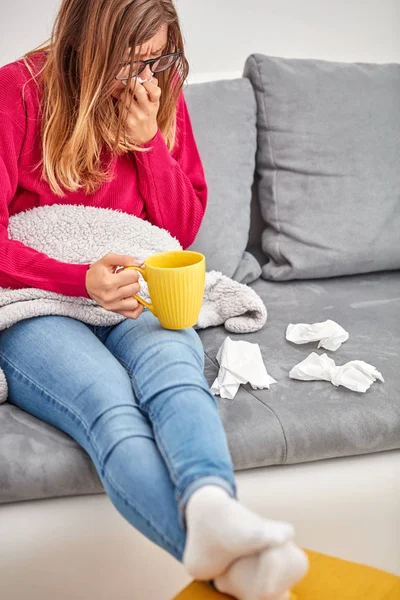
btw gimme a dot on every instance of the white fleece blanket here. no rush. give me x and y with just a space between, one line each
84 234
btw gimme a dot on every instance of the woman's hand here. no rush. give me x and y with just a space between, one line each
112 289
141 121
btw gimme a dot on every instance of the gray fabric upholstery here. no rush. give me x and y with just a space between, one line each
249 269
223 115
316 419
328 166
293 422
39 461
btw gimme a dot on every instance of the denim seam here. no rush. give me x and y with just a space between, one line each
165 454
153 417
130 373
146 410
118 490
285 452
104 469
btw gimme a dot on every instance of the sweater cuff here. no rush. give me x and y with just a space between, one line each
154 140
74 283
158 151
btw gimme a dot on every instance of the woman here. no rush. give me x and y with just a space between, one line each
85 121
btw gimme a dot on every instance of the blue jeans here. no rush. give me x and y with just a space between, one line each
134 396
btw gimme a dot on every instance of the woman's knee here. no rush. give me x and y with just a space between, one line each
180 347
121 426
193 341
159 346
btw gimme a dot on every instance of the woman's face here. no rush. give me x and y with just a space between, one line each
151 49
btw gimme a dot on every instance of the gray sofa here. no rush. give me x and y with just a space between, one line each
302 161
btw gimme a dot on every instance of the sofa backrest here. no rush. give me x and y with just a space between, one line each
325 183
328 177
223 115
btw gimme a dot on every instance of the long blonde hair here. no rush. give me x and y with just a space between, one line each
89 42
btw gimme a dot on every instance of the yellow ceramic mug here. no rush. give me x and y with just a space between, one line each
176 282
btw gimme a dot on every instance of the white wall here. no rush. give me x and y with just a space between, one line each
24 24
220 34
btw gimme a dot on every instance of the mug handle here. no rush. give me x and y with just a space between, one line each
138 298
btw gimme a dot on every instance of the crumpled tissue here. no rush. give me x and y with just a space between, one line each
240 362
355 375
331 334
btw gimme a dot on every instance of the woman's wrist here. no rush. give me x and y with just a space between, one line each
144 142
151 140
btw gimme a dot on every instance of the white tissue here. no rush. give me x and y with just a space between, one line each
355 375
240 362
331 334
139 79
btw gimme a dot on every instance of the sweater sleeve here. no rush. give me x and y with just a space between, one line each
173 184
20 265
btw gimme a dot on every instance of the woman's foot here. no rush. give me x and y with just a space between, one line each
264 576
220 530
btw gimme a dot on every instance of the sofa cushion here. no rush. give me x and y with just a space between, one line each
223 115
293 422
39 461
328 166
316 419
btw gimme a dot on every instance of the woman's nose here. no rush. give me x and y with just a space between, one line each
147 73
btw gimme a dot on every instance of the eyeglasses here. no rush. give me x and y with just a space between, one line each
162 63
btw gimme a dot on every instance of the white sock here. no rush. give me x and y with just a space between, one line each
264 576
220 530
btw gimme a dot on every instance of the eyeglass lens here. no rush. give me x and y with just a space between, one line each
162 64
